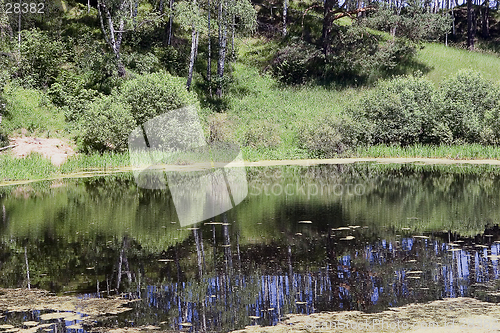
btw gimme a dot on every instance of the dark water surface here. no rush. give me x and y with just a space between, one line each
306 239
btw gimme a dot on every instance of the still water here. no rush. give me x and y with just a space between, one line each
306 239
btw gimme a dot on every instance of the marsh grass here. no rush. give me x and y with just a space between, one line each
95 161
458 152
32 167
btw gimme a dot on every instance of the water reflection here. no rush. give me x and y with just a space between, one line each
273 255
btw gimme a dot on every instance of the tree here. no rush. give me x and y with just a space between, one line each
114 11
228 12
486 21
285 10
328 18
190 17
470 25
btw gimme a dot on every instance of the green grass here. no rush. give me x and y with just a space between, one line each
444 62
259 106
35 167
459 152
30 109
32 167
95 161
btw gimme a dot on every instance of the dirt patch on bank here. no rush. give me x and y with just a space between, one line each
56 150
443 316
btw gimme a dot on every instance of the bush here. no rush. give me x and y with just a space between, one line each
220 128
109 120
297 63
329 136
262 134
400 111
107 125
70 94
466 99
41 58
356 56
153 94
141 63
490 133
413 22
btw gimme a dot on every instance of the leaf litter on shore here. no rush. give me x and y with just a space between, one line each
69 308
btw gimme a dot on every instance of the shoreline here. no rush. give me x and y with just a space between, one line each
263 163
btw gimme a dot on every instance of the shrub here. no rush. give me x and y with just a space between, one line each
262 134
326 137
466 98
356 55
41 58
490 133
400 111
220 128
413 22
153 94
107 125
70 94
142 63
297 63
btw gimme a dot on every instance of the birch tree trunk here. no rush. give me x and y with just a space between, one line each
192 57
209 60
222 47
285 12
170 23
112 37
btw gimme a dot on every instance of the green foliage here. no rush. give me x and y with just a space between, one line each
106 125
414 21
33 166
41 58
297 63
30 109
328 136
69 93
173 59
399 111
109 120
96 68
220 128
262 134
153 94
357 55
142 63
466 99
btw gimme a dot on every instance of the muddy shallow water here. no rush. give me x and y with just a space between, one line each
305 240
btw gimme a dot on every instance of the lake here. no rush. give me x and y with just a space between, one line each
305 239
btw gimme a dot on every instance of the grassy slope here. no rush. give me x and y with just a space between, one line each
445 61
261 97
257 99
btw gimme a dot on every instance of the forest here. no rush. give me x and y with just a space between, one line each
281 78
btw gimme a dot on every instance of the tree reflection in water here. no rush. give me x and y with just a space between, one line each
256 264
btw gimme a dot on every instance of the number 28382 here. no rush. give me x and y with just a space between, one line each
24 8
